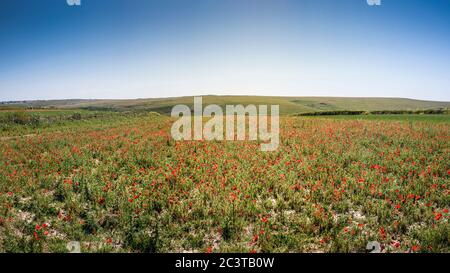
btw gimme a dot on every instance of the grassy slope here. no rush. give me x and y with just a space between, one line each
288 105
388 117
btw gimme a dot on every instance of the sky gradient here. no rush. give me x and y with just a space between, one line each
146 49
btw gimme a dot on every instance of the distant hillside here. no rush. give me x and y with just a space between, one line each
288 105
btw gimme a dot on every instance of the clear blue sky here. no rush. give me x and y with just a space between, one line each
144 48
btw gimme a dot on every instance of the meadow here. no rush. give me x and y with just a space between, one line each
118 182
288 105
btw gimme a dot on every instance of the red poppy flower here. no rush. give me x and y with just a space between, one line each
438 216
382 233
395 244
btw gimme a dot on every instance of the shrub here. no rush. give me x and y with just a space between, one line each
22 118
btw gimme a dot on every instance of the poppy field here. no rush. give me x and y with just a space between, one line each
333 185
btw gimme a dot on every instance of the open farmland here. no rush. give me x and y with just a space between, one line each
121 184
288 105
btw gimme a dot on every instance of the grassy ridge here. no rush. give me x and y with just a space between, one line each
288 105
390 117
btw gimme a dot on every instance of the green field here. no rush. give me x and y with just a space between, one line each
34 117
390 117
31 122
288 105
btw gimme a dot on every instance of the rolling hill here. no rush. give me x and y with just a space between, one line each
288 105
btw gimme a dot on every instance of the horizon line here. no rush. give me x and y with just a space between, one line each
213 95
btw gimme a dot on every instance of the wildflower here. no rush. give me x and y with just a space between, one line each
75 150
382 233
438 216
395 244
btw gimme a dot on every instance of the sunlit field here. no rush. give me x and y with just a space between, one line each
118 182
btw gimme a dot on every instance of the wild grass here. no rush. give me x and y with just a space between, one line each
120 183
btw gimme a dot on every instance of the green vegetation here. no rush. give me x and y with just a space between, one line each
395 117
384 112
30 122
288 105
117 182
